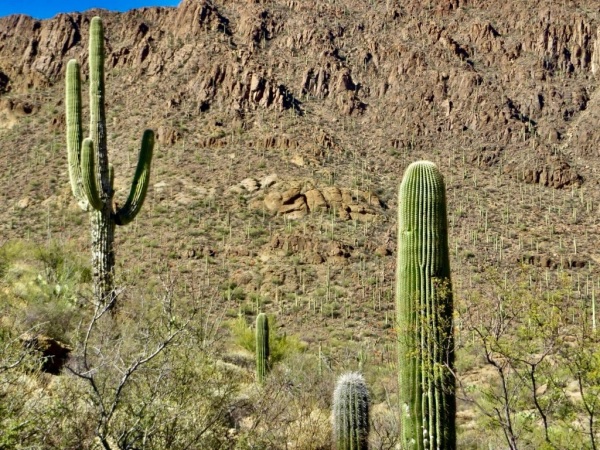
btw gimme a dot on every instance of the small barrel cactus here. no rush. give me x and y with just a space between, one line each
262 347
424 312
351 413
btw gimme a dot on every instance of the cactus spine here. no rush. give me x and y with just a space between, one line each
351 413
262 347
89 170
424 312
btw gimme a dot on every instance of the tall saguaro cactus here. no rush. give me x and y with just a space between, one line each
262 347
350 415
424 312
89 170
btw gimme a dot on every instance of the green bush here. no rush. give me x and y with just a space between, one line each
43 285
280 346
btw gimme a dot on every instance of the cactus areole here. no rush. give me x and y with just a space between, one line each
424 312
89 170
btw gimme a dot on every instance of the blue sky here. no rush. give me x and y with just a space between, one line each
43 9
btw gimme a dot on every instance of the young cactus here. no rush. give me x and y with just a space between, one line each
89 170
262 347
351 413
424 312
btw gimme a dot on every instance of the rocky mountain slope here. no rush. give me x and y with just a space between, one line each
284 128
286 109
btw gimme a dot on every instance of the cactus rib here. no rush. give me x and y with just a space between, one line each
350 415
424 312
262 347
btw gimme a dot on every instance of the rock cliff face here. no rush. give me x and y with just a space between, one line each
447 74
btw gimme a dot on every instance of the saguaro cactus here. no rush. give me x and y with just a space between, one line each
262 347
90 173
424 312
351 413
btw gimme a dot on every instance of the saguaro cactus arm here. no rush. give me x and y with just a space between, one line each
74 131
139 185
424 310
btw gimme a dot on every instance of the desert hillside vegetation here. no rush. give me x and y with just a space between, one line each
255 271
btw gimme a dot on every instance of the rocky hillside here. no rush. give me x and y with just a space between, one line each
297 108
286 109
491 79
284 128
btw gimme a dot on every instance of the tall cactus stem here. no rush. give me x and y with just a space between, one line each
424 312
350 413
97 99
262 347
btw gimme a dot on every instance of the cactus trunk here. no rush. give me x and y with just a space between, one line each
424 312
90 171
262 347
351 413
103 227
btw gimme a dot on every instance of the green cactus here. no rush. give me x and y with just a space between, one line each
262 347
89 170
424 312
351 413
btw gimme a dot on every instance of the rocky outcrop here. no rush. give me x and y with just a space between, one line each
167 135
554 262
194 18
298 198
257 25
557 175
311 250
241 89
54 354
492 81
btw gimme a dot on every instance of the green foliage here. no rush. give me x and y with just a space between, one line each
154 387
535 361
424 312
43 286
280 346
287 414
231 291
350 413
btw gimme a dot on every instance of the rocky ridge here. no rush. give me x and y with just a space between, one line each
455 72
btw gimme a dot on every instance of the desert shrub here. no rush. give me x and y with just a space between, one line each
280 345
291 410
44 287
